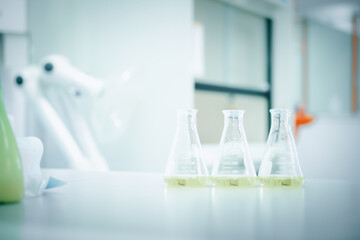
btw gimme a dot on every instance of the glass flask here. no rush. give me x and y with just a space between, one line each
234 167
280 165
11 172
186 166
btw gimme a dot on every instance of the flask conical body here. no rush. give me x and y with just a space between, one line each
11 175
234 166
280 165
186 166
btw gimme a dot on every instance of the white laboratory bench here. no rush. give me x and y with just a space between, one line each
124 205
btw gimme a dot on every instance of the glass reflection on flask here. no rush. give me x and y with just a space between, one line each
280 165
186 166
234 167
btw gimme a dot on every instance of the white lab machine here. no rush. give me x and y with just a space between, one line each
61 96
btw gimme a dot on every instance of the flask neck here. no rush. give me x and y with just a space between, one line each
233 118
233 122
280 119
186 118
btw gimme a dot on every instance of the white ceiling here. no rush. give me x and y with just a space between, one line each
334 13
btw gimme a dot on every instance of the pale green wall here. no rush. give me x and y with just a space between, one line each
329 52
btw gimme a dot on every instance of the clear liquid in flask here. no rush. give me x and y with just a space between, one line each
234 167
280 165
186 166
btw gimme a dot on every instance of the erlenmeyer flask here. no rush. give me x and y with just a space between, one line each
234 167
280 165
11 171
186 166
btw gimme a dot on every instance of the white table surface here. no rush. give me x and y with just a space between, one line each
123 205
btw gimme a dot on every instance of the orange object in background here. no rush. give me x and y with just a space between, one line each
301 118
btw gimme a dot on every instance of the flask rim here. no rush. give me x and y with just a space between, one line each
233 112
280 110
187 111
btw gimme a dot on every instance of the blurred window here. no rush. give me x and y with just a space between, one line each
231 68
329 70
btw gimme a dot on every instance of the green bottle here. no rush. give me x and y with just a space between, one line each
11 173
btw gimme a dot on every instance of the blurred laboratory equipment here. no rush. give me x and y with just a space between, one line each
114 108
234 167
58 71
31 150
11 171
186 166
71 92
61 96
301 118
35 181
280 165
